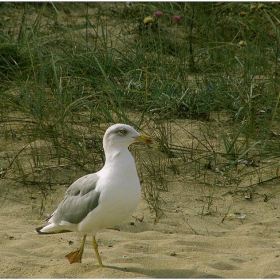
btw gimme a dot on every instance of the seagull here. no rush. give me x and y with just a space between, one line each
103 199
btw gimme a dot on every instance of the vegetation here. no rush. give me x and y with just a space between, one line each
68 70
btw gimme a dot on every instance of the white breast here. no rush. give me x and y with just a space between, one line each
120 192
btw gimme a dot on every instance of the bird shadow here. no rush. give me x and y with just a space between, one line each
166 273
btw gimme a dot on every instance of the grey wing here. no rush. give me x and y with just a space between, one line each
81 198
83 185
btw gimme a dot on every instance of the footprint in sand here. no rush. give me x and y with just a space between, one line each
223 266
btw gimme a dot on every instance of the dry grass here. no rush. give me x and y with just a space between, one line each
205 88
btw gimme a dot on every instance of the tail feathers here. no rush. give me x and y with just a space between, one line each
39 230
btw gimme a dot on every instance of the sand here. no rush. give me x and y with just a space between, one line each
182 244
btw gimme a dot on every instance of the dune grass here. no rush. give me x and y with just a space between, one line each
68 70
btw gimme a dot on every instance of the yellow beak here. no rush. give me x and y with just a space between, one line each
143 138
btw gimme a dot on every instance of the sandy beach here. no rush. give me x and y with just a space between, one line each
182 244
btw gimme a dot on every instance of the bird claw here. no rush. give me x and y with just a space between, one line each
75 256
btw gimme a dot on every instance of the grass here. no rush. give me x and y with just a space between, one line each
70 70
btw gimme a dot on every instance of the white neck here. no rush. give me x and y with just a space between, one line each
114 157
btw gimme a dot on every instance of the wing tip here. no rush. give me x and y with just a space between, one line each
38 230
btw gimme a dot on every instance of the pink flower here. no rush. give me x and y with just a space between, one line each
158 14
90 32
176 19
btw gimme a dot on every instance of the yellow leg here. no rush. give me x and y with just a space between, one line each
95 247
76 255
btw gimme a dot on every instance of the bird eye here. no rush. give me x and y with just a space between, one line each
123 131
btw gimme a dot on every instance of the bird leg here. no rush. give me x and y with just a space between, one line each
95 248
76 255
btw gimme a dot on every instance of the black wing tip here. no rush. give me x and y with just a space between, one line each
38 229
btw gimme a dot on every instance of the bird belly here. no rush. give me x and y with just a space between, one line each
115 205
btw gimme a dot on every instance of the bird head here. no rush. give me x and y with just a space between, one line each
123 135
